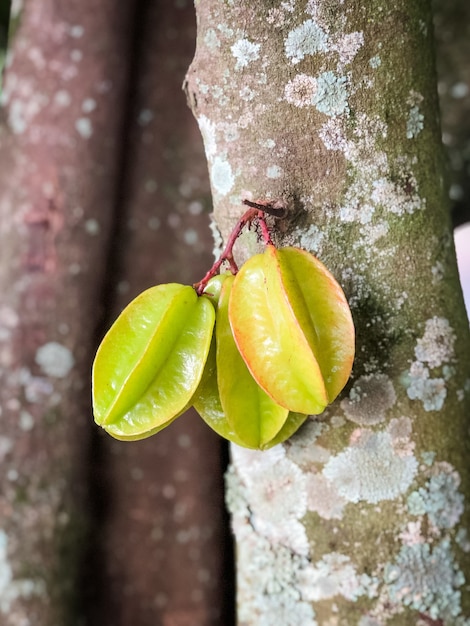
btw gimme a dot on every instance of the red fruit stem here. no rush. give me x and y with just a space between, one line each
255 211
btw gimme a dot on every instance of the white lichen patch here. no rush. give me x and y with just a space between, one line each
54 359
414 123
463 540
332 135
276 582
412 534
420 386
84 127
376 232
11 589
311 238
440 499
435 349
92 226
9 320
276 17
428 457
229 130
348 46
36 389
369 399
222 177
331 95
335 575
301 90
426 579
278 492
267 143
77 31
436 346
370 469
367 620
26 421
25 102
376 186
425 575
322 498
247 93
191 237
302 448
274 171
62 98
415 120
396 198
208 133
275 489
216 238
245 52
306 39
211 39
6 445
269 583
144 117
400 429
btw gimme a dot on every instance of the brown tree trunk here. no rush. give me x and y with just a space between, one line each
90 214
60 136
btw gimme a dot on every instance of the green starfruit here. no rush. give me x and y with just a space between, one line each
206 401
228 398
151 361
293 327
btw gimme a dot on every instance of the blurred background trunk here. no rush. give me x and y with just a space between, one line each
103 192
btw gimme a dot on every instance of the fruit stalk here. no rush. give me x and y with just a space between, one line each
256 211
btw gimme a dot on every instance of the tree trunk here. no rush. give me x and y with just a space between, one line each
103 192
59 138
331 108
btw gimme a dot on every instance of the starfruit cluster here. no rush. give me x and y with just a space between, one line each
254 354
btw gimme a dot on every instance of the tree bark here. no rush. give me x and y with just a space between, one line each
59 142
331 108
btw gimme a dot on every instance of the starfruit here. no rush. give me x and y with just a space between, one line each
151 361
293 327
228 398
206 400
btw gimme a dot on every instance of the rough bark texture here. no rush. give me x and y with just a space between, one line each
61 120
331 107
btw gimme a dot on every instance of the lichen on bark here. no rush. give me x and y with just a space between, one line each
331 107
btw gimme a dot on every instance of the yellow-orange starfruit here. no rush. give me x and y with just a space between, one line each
293 327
